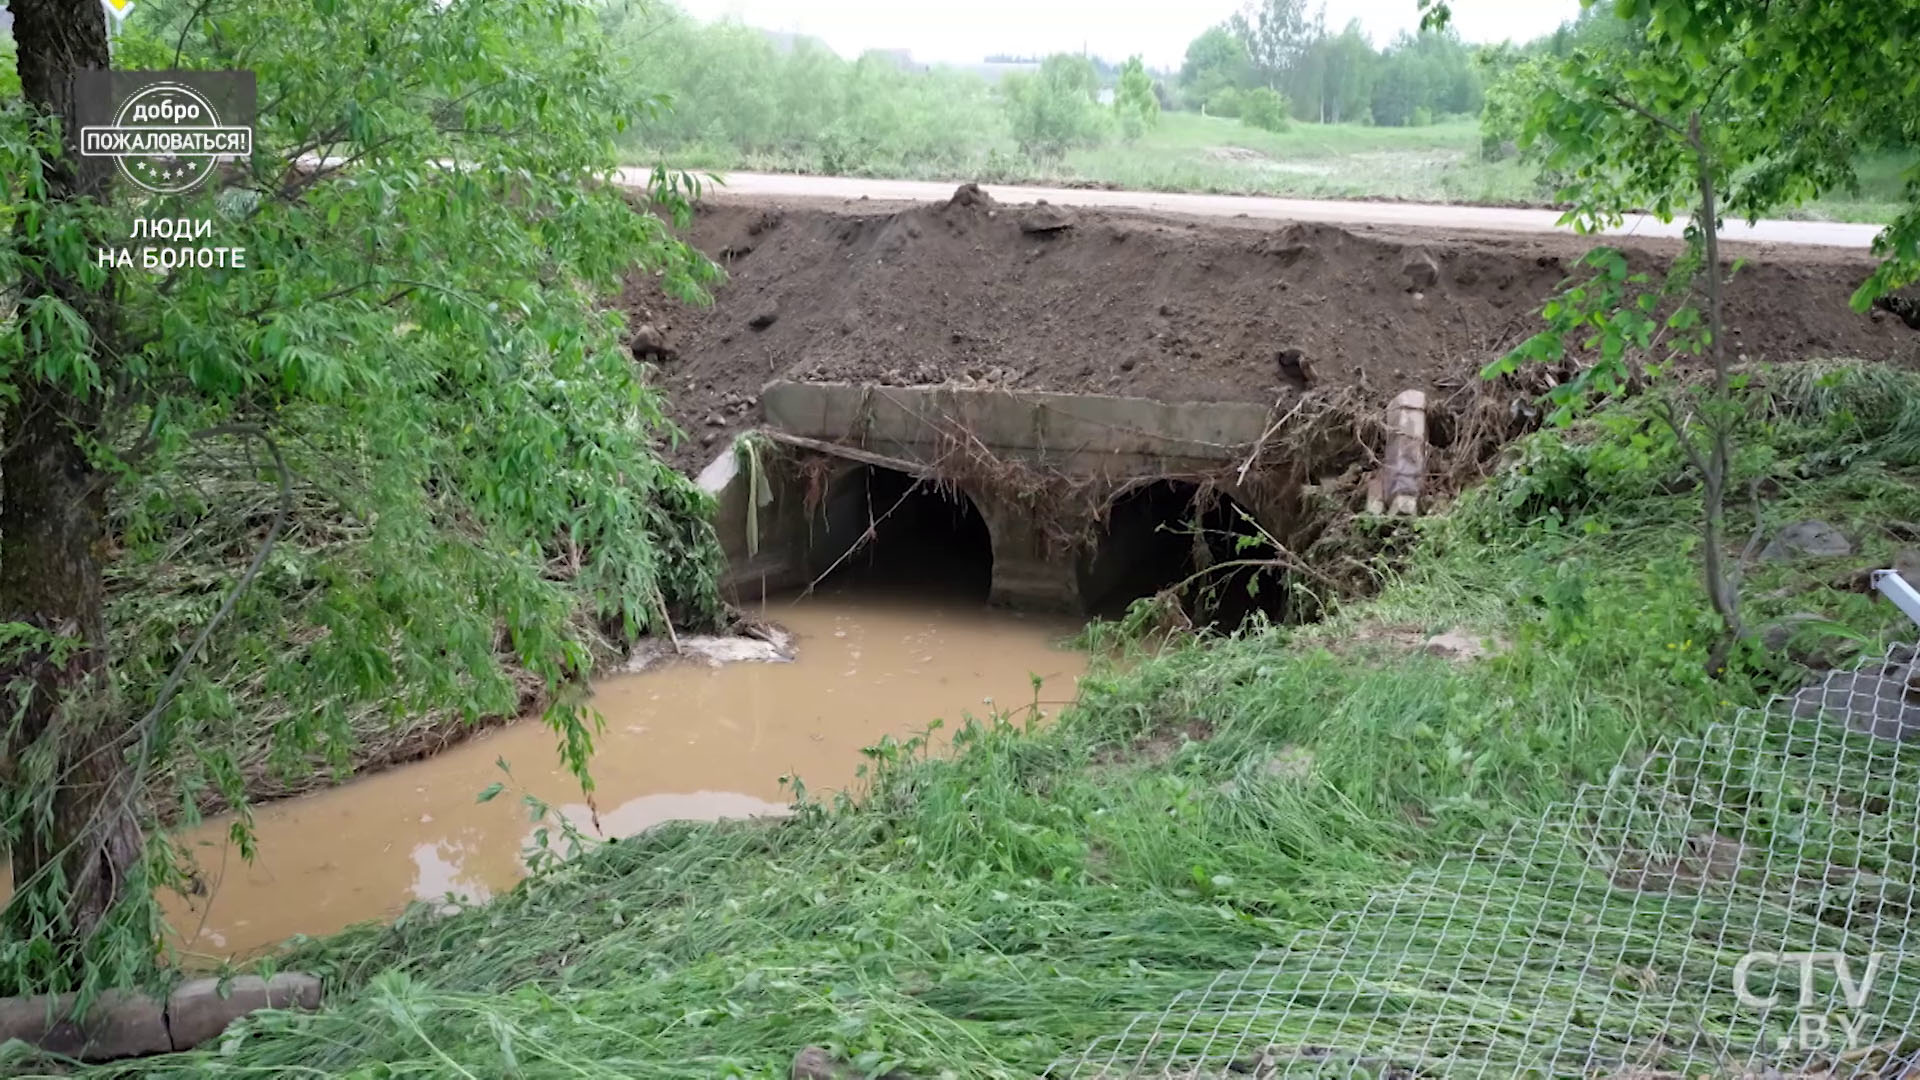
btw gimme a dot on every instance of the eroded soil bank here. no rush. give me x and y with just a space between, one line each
977 293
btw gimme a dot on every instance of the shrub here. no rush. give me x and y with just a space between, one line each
1264 108
1054 110
1134 102
1225 101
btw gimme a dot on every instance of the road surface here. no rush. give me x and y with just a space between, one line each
1389 214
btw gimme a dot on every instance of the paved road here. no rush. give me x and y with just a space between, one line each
1391 214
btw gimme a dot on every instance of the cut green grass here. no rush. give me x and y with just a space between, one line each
987 913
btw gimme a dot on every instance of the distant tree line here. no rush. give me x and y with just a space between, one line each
1279 47
727 94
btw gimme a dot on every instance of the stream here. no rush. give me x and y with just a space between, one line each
683 740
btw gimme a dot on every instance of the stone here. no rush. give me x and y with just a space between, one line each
198 1011
763 318
1882 701
1457 645
1420 270
1807 539
118 1025
649 344
716 420
1778 637
1291 763
814 1063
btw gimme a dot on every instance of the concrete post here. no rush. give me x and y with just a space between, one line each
1027 574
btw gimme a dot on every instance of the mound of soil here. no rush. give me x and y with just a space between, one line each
1049 298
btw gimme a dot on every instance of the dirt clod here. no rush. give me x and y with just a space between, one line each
1420 269
1046 218
763 317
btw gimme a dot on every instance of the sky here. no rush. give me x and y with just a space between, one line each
966 31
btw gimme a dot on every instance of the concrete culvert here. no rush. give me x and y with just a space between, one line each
924 536
1165 533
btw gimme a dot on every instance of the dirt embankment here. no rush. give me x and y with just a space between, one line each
1038 297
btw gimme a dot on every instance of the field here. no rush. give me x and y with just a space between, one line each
992 913
1440 163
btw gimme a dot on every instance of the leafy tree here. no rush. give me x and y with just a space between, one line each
1730 106
403 448
1054 109
1264 108
1432 70
1277 35
1216 60
1347 74
1134 101
725 95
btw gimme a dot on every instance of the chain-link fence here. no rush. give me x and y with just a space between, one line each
1734 905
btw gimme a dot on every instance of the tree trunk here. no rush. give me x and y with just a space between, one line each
1722 588
77 853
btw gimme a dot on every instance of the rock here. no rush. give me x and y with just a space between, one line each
1778 637
1420 270
649 344
1882 701
1459 645
763 318
716 420
814 1063
1807 539
197 1012
1291 763
1128 364
118 1025
1043 217
1906 564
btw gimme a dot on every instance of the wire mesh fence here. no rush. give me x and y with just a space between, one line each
1733 905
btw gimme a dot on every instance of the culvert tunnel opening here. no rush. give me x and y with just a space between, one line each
1174 534
883 530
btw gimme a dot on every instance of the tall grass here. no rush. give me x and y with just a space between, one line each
981 914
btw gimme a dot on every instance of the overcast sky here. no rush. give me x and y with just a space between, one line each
968 30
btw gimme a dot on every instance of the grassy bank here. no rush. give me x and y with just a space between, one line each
986 914
1439 163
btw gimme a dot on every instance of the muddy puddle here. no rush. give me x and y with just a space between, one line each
683 741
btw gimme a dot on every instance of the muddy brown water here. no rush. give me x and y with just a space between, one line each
682 741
